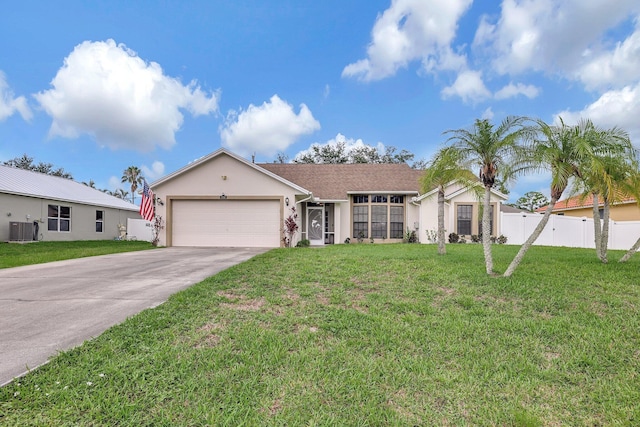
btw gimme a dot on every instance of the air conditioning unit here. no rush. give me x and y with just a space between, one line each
20 231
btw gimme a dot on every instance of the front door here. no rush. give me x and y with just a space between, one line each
315 228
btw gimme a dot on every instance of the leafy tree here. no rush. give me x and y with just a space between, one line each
132 175
281 158
498 153
120 194
530 201
340 154
90 183
445 168
26 162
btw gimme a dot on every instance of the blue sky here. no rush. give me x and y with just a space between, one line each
95 87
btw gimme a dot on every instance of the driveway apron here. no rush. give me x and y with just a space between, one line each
47 308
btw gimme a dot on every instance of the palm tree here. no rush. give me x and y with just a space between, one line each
120 194
444 169
567 151
132 175
609 174
498 153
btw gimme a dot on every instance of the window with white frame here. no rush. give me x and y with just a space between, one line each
99 221
59 218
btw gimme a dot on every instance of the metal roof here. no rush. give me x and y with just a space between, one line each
34 184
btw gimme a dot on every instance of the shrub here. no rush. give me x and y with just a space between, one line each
502 239
462 240
453 237
410 237
347 240
432 236
304 243
476 238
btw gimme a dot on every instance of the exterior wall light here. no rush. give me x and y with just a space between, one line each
223 197
286 201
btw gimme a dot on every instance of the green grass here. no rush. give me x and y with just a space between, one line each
362 335
15 255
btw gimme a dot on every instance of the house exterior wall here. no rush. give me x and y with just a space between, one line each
622 212
83 218
226 175
429 212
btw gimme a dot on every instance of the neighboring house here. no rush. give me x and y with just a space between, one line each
224 200
626 209
36 206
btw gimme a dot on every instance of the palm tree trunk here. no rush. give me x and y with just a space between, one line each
441 244
486 231
631 251
597 225
534 236
604 238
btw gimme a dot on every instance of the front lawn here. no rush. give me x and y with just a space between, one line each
17 254
367 335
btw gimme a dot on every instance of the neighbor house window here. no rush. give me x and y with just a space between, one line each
59 218
386 219
464 219
99 221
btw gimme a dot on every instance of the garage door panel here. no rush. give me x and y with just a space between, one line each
250 223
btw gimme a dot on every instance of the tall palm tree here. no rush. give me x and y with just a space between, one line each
607 174
132 175
444 169
498 152
567 151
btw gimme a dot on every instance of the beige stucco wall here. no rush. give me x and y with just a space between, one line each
622 212
429 212
226 175
83 218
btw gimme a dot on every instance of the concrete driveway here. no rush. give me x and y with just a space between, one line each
50 307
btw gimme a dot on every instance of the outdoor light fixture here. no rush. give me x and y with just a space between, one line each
223 197
286 201
159 200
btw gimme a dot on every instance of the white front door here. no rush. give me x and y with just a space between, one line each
315 225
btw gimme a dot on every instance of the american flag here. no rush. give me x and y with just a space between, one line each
146 206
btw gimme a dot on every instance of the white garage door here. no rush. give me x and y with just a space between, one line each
226 223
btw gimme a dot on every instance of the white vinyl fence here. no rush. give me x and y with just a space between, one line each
139 229
567 231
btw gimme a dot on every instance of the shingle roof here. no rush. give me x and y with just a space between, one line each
578 202
334 182
27 183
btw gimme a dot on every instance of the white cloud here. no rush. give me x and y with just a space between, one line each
469 87
411 30
9 104
105 90
327 91
619 108
487 114
613 68
566 37
266 129
154 172
511 90
349 144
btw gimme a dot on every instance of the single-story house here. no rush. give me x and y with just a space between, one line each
36 206
223 199
626 209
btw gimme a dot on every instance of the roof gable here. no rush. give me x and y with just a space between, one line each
35 184
223 152
337 181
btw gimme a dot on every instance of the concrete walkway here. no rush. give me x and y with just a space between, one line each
56 306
